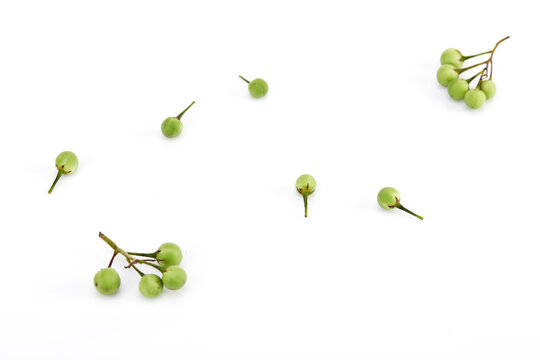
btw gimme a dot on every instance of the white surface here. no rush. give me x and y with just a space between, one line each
353 101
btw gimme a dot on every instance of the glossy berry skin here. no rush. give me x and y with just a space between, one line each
452 57
488 87
258 88
150 285
174 277
457 89
306 183
475 98
388 198
447 73
67 162
171 127
169 254
107 281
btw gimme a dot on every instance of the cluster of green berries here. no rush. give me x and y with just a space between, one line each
388 198
452 61
166 259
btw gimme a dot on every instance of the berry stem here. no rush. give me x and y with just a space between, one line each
60 173
241 77
472 78
186 109
115 247
112 259
472 56
150 255
472 66
152 265
137 270
305 196
401 207
490 60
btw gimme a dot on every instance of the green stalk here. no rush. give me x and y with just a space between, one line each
241 77
401 207
150 255
186 109
472 56
60 173
305 196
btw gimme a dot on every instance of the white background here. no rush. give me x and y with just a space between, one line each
353 101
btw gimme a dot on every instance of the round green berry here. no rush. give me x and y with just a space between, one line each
488 87
169 254
305 185
150 285
475 98
457 89
174 277
447 73
258 88
107 281
171 127
388 198
452 57
66 163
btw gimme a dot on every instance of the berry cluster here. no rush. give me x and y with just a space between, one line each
459 89
167 258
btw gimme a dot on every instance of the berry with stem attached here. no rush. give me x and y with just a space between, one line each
174 277
257 88
306 185
389 198
457 88
150 285
66 163
167 254
107 281
172 126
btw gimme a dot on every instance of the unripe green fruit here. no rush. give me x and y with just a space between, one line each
305 185
488 87
475 98
258 88
174 277
457 89
388 198
447 73
452 57
171 127
150 285
169 254
67 162
107 281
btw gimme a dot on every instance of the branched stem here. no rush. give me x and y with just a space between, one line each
241 77
186 109
115 247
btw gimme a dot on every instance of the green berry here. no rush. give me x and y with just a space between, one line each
388 198
457 89
475 98
172 126
66 163
305 185
107 281
169 254
174 277
150 285
488 87
257 88
447 73
452 57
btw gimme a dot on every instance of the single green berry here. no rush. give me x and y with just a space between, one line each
457 89
306 185
66 163
107 281
172 126
169 254
174 277
488 87
447 73
388 198
475 98
150 285
452 57
257 88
